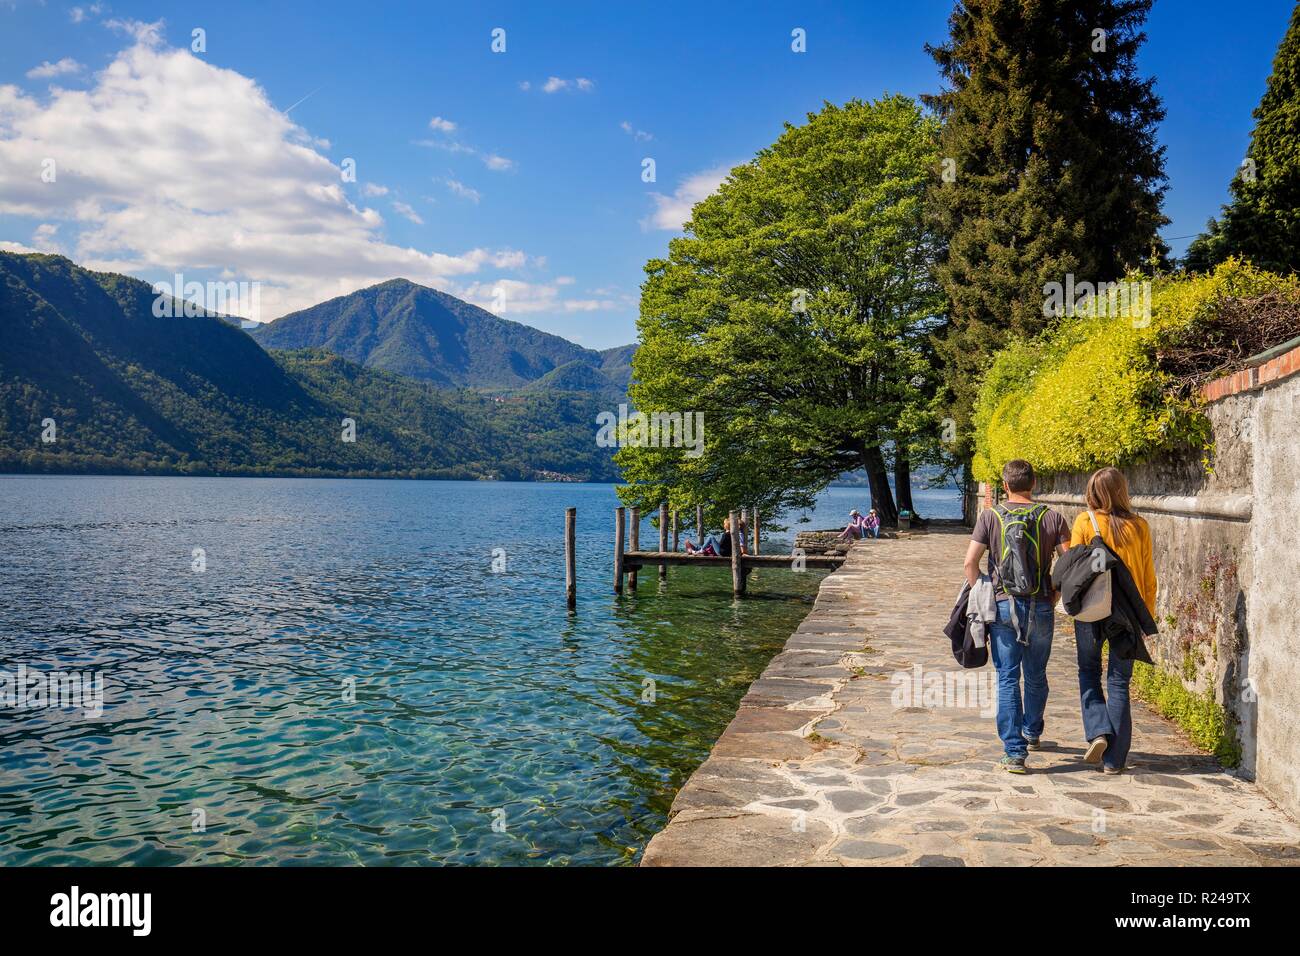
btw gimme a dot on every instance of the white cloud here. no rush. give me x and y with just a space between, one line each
148 34
405 210
639 135
18 247
498 164
80 14
525 298
43 238
374 189
47 69
151 180
556 84
442 125
671 212
458 188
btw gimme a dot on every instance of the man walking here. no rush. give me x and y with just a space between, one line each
1021 538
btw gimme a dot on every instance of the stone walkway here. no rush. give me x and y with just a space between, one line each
858 747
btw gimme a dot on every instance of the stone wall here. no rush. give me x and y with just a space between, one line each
1227 560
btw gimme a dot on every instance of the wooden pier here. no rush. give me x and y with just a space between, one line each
628 561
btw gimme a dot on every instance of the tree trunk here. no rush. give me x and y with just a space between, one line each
903 483
878 478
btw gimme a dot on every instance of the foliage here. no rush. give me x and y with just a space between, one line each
795 314
1262 221
1092 391
1055 167
1200 715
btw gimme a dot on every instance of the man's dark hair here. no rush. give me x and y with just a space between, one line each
1018 475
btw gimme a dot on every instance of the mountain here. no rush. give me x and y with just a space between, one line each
130 392
413 330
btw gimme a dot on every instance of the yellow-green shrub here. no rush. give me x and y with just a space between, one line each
1089 392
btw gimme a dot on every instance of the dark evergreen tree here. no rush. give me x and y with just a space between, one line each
1050 166
1262 222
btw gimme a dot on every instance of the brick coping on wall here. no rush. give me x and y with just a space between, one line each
1257 376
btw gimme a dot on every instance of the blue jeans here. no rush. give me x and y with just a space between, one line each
1011 653
1108 716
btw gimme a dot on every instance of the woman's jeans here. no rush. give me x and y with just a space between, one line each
1012 653
1108 716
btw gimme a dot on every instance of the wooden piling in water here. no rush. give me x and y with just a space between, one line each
663 538
737 571
699 526
757 546
570 557
634 534
618 550
675 519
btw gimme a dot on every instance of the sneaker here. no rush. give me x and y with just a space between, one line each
1095 749
1112 770
1012 764
1033 743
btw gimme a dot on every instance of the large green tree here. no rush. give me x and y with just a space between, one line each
1051 165
1262 221
795 315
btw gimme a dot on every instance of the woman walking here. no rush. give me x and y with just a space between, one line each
1108 718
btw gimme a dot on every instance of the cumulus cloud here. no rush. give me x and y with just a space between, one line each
671 212
151 179
47 69
442 125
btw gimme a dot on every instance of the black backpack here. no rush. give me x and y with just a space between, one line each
1016 555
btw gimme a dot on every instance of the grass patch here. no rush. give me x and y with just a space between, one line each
1205 721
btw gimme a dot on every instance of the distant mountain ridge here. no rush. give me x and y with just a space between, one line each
92 381
413 330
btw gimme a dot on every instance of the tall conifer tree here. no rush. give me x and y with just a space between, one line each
1049 166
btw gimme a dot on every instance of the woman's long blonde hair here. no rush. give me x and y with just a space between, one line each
1108 493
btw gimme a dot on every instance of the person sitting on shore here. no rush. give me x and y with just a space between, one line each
856 528
871 524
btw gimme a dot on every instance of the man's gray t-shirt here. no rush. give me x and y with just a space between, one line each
1054 531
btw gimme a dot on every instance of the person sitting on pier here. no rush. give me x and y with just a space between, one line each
719 545
871 524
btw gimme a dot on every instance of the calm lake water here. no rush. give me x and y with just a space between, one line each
347 680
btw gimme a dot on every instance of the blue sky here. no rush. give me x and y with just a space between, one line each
531 198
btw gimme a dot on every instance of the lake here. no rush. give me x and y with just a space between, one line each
339 676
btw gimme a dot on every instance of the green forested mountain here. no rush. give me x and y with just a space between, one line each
406 328
84 362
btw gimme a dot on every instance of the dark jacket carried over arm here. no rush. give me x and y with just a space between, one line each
1129 618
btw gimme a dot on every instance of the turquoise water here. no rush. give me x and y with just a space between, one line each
348 681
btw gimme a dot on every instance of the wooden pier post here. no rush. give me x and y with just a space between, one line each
676 515
570 557
618 550
737 570
634 534
699 526
663 538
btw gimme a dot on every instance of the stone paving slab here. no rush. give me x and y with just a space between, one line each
864 744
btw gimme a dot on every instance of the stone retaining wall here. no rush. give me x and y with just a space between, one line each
1227 561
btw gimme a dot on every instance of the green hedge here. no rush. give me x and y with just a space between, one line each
1089 392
